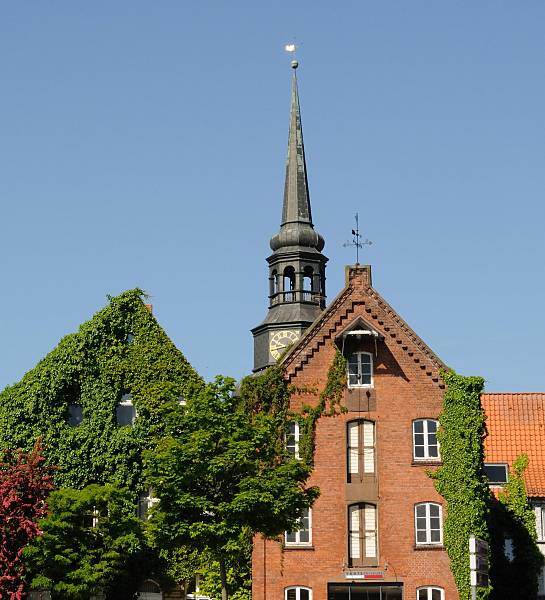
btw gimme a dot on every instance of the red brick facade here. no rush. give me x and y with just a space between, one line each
406 386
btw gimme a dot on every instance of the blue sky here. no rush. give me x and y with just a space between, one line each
142 145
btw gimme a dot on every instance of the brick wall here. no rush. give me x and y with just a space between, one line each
406 387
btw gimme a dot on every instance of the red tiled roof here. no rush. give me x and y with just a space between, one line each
516 425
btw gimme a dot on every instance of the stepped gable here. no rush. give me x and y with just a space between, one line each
516 425
360 299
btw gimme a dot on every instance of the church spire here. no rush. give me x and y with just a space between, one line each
296 197
297 265
296 228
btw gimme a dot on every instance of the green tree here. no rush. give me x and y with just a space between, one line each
92 543
222 472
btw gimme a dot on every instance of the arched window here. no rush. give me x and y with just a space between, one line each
308 274
360 369
289 284
428 523
362 534
298 593
360 436
149 590
425 444
430 593
274 283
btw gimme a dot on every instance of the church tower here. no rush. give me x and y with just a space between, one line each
297 265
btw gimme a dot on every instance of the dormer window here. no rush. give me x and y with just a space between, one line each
360 369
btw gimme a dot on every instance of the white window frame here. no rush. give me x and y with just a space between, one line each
298 542
361 535
430 589
428 529
360 458
498 483
426 433
298 589
359 354
296 439
539 511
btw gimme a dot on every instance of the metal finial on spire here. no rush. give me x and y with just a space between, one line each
292 48
357 242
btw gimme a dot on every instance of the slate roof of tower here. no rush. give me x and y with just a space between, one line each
296 228
516 425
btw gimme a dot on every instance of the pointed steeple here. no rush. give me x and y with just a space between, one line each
296 197
296 228
297 265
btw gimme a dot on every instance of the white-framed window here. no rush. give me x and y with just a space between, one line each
360 437
125 410
425 444
496 473
539 511
303 535
362 534
428 523
360 369
75 414
430 593
293 437
298 593
145 501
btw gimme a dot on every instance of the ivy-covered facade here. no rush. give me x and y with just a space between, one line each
98 401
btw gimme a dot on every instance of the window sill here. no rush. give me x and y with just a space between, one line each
298 547
366 386
435 547
426 462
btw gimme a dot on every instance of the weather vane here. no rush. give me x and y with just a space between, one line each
292 48
357 242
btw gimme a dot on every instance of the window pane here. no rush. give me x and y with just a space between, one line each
303 594
421 537
422 594
421 510
418 428
291 594
433 452
368 460
496 473
419 451
432 426
435 594
75 414
304 536
126 414
435 536
434 510
290 537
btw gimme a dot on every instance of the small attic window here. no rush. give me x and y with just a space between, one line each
130 338
497 474
75 414
125 411
181 400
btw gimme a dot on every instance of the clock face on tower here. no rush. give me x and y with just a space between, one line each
280 341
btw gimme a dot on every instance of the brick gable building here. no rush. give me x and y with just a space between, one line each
375 532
